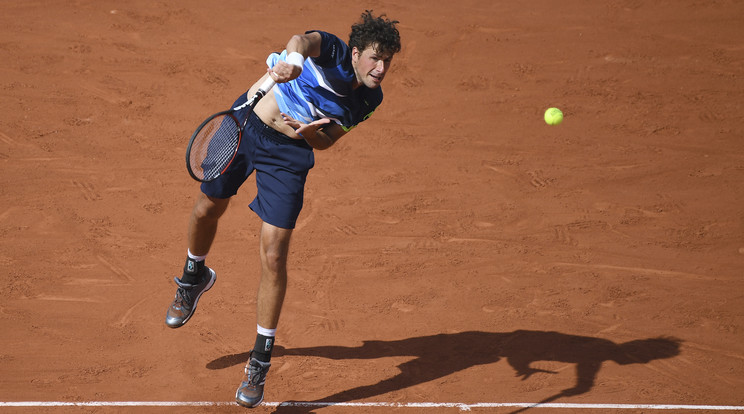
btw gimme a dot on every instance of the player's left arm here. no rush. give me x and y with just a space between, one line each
320 134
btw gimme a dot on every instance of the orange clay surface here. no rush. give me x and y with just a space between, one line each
453 248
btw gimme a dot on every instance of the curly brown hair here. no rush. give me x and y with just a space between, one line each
379 31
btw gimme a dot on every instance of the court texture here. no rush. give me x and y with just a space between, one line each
455 253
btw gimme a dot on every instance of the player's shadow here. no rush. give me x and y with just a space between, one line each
437 356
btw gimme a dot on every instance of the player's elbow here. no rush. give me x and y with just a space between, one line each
308 44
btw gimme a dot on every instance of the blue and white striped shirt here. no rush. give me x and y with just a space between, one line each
324 88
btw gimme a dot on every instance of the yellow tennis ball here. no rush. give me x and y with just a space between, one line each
553 116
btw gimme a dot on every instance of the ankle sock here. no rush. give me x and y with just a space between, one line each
193 271
195 257
264 344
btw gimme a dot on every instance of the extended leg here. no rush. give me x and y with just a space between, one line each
271 290
273 285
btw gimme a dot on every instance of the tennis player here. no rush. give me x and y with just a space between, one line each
324 89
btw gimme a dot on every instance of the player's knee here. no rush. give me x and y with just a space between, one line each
275 261
210 208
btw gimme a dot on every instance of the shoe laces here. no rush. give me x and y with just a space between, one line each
256 373
182 297
183 294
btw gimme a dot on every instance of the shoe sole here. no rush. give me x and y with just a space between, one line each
212 279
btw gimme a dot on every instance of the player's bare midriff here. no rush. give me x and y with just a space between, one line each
268 111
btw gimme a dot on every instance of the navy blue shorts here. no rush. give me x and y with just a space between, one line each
281 164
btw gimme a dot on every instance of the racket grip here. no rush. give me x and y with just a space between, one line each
267 85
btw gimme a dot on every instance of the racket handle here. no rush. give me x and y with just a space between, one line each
267 85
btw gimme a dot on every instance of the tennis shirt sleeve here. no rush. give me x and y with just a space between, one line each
324 89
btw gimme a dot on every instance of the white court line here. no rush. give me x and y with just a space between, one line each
460 406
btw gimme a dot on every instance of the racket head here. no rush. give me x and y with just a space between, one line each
213 146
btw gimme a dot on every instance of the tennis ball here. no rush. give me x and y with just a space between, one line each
553 116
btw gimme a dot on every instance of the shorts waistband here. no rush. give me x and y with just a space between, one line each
272 134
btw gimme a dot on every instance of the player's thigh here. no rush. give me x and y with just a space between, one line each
281 172
279 197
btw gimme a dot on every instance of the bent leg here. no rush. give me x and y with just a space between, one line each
197 277
203 223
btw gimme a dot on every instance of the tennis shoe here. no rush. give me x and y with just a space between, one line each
187 296
251 390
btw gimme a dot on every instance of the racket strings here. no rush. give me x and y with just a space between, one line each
214 147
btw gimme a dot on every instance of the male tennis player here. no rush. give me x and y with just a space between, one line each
324 89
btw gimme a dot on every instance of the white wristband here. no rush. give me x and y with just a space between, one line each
296 59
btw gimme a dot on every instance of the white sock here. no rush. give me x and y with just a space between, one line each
265 332
196 258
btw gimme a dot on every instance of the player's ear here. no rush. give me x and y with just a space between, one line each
355 53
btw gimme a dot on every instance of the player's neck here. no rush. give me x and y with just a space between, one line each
356 83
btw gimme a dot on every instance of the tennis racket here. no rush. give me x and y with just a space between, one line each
215 142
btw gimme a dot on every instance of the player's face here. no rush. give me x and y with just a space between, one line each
370 66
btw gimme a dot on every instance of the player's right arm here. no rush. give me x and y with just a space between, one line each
307 45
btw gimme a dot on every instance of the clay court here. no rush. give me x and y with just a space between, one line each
454 253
